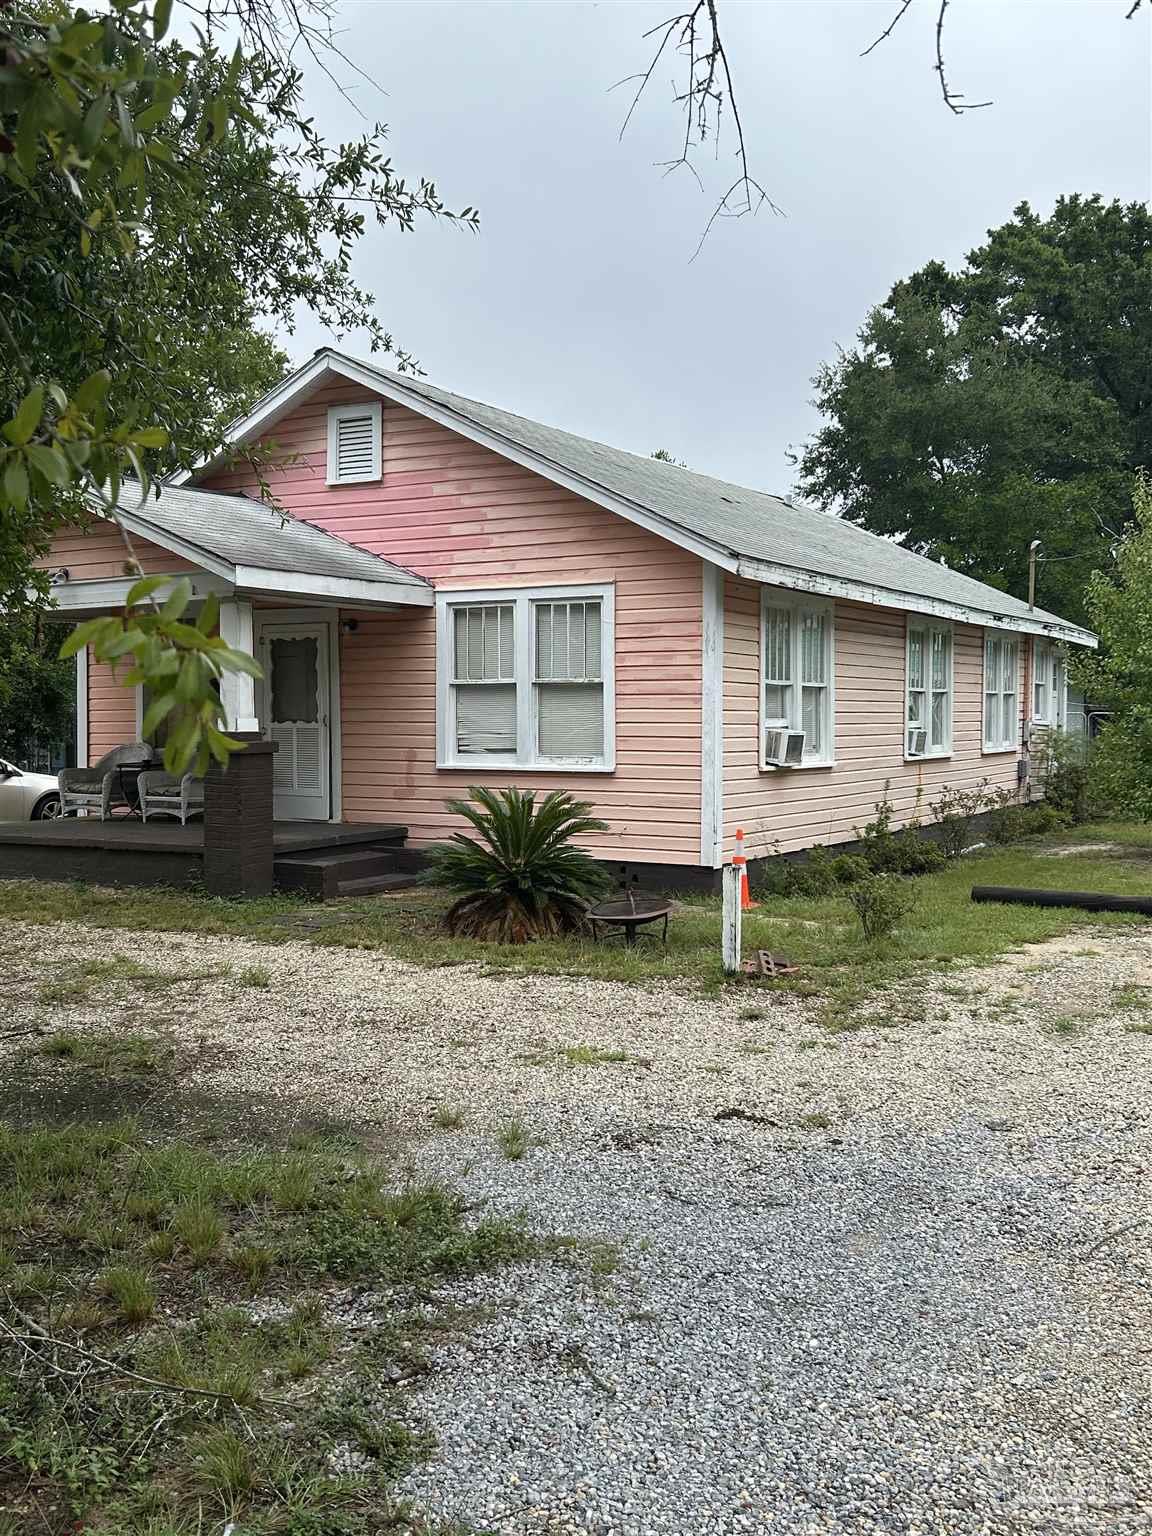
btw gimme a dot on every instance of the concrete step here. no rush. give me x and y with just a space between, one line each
373 885
321 873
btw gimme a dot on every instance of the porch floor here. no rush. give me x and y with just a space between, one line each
130 835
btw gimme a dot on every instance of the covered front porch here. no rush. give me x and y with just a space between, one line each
287 593
313 859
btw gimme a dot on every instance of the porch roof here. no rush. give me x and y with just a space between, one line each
244 546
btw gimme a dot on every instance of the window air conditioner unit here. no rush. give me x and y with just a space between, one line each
783 749
917 742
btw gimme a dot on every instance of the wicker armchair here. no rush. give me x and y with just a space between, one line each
101 788
170 794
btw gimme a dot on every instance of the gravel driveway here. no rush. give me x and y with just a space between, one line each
880 1281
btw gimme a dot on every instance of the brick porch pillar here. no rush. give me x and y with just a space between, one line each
238 821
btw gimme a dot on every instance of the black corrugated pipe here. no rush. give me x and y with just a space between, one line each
1091 901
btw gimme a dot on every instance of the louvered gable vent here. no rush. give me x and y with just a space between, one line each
354 443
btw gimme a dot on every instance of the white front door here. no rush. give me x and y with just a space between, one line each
295 716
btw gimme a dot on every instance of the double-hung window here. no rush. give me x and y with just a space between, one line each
526 679
928 675
1001 692
1049 685
796 648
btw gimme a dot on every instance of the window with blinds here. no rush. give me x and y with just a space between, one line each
797 656
568 681
354 443
928 689
1001 693
528 680
484 679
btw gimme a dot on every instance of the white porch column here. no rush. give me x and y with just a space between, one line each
237 689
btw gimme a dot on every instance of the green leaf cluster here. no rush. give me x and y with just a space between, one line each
180 664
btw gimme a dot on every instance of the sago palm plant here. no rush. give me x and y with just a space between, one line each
520 878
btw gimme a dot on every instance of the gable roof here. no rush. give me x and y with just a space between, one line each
751 533
257 548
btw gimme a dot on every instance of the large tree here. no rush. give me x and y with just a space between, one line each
159 204
37 689
1119 676
1007 401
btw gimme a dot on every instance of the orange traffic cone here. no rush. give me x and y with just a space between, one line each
741 863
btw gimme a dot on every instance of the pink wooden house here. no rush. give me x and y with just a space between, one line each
461 596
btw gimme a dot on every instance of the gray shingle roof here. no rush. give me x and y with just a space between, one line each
747 524
246 532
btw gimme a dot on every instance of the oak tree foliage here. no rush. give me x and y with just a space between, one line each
1006 401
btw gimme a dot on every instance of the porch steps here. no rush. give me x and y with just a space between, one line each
360 870
375 885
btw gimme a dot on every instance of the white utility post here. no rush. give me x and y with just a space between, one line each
731 920
237 689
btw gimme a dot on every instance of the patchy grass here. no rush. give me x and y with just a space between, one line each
107 1052
596 1056
1132 995
445 1117
944 928
1067 1024
258 976
514 1140
131 1425
78 980
818 1120
131 1289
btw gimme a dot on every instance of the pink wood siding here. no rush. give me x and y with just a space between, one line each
98 554
111 710
463 516
796 808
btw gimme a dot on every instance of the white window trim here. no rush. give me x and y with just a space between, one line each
929 627
991 748
339 413
797 603
1055 711
527 756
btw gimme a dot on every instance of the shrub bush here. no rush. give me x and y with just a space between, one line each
880 901
955 810
1042 818
820 874
1009 822
910 854
886 852
521 878
1064 766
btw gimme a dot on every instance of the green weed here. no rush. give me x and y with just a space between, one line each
132 1291
514 1140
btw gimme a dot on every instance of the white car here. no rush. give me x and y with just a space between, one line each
27 796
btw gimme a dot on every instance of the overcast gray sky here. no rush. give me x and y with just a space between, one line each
577 303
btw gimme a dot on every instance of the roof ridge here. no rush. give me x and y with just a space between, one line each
409 381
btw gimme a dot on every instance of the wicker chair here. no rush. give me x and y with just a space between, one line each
101 788
170 794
